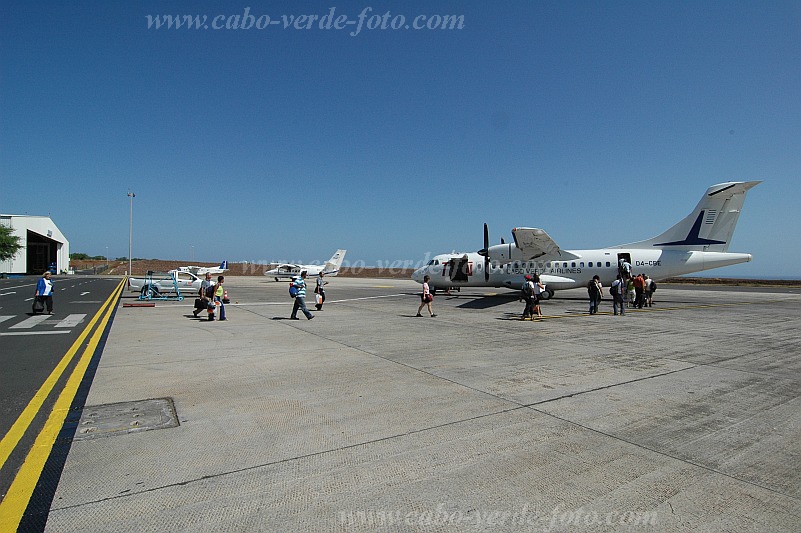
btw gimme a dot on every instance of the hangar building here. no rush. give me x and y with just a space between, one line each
42 242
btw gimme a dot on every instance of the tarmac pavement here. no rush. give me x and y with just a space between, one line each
682 417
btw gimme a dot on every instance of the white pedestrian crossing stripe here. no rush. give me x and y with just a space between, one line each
31 322
71 321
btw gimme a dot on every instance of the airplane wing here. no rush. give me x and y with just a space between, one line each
535 242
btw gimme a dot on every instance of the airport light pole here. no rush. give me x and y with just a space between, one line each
131 196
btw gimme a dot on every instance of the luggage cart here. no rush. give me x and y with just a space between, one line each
160 286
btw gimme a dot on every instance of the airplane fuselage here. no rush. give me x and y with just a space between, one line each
293 271
467 270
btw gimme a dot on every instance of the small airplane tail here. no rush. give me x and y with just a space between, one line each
224 265
331 267
711 224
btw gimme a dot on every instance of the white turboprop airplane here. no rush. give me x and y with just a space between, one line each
201 271
699 242
330 268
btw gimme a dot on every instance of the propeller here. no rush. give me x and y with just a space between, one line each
485 252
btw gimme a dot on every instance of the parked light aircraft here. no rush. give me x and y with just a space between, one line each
201 271
330 268
698 242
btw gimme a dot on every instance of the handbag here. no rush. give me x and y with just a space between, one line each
38 304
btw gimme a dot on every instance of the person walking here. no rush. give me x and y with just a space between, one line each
426 298
539 288
650 286
528 296
44 294
204 291
300 298
595 291
629 291
617 290
639 290
219 296
319 291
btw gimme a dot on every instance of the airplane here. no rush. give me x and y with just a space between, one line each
201 271
698 242
330 268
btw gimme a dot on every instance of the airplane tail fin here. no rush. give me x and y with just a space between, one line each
332 265
711 224
224 265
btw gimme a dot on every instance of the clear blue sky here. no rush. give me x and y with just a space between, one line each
285 144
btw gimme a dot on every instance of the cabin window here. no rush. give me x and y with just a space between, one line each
573 264
608 264
548 265
581 264
564 265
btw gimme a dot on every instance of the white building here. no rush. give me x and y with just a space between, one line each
42 242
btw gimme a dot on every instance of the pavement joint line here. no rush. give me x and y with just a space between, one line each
517 407
668 455
258 304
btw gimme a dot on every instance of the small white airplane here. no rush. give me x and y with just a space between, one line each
287 270
201 271
698 242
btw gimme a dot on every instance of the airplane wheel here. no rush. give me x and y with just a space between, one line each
547 295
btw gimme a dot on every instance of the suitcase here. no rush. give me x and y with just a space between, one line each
199 304
38 305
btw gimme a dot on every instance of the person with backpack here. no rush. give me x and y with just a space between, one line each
617 290
528 296
299 284
595 292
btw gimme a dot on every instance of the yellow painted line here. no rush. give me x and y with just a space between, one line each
19 494
12 438
584 314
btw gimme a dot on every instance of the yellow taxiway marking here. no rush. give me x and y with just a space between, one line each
19 494
584 314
